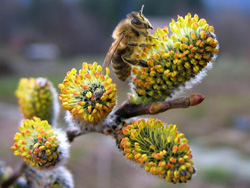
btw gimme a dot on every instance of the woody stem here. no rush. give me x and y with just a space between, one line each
128 109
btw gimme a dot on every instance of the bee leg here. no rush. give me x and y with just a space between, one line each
145 45
143 63
135 62
130 61
141 44
132 44
148 35
152 37
145 34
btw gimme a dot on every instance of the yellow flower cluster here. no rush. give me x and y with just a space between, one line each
57 178
89 95
161 150
174 60
35 98
37 143
5 172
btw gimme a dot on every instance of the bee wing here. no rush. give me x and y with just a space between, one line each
111 52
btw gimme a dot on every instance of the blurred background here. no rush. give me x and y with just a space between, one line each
44 38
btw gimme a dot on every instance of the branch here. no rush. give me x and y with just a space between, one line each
16 174
103 127
71 134
128 110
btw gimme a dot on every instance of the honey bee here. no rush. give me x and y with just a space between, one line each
130 32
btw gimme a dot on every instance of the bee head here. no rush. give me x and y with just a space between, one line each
139 21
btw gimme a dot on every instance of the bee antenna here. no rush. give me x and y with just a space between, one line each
141 9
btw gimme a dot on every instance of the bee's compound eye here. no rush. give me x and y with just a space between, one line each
135 21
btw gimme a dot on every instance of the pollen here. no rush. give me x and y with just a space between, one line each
89 96
173 62
39 145
35 98
160 149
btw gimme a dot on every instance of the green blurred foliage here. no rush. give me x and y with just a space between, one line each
218 175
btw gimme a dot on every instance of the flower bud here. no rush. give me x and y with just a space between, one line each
40 145
88 95
59 177
174 63
21 182
37 97
161 150
5 172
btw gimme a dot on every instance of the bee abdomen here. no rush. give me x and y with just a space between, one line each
121 68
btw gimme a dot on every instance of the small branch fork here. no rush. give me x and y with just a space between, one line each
128 110
71 134
124 111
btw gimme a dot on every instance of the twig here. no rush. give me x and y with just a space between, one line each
103 128
71 134
16 174
128 109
